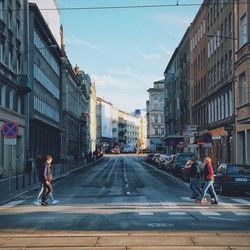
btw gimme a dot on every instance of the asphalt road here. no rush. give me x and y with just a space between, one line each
123 193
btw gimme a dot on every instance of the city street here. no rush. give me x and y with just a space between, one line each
123 203
124 193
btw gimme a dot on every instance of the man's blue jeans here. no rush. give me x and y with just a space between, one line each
194 187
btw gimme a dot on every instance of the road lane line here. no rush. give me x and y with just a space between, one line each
12 204
177 213
220 218
242 213
146 213
205 212
242 201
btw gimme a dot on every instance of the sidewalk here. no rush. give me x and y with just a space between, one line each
125 240
23 183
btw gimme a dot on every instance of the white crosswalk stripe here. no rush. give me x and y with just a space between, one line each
242 201
209 213
12 204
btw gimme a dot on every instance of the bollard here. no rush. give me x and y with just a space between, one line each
16 180
29 178
23 180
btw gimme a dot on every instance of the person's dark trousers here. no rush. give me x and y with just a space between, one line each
47 188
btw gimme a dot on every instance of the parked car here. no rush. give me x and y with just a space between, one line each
232 178
180 162
168 165
149 158
155 158
115 150
162 161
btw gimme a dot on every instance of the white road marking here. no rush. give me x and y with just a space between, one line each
208 213
12 204
220 218
177 213
242 213
146 213
242 201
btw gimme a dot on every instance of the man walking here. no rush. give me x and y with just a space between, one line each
46 179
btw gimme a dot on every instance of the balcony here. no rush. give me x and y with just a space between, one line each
24 84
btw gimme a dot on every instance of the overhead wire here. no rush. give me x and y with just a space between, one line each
177 4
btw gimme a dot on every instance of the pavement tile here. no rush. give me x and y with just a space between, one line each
145 241
222 240
49 241
178 248
65 248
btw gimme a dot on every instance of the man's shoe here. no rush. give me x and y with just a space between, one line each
44 203
55 202
214 202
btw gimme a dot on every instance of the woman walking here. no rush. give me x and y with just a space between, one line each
208 172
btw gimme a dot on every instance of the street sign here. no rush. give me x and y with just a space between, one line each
10 129
10 141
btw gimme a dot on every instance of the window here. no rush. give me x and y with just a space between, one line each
2 51
156 118
242 89
222 32
18 64
230 24
226 27
1 9
226 105
230 63
9 18
18 29
10 56
156 131
7 97
15 101
226 64
1 90
243 30
222 107
162 131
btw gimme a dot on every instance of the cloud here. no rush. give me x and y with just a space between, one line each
150 56
77 41
173 20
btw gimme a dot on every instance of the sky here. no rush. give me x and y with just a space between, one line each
124 50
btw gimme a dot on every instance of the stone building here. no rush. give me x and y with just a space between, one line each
242 81
74 106
198 75
15 84
220 82
45 100
156 116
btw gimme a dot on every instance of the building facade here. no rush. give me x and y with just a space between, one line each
45 98
74 105
198 76
156 117
92 114
14 84
242 81
220 67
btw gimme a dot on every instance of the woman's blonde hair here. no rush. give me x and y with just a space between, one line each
208 161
